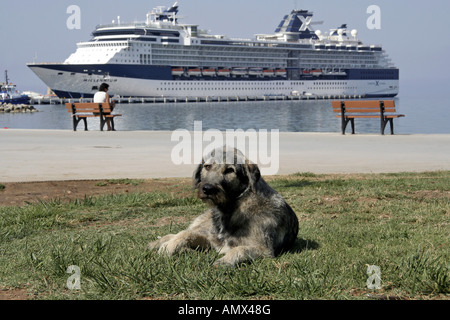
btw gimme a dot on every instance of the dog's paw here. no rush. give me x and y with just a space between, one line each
170 248
223 263
153 245
156 245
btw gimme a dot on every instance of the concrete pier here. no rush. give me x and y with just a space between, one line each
46 155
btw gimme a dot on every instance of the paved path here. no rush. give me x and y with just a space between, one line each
44 155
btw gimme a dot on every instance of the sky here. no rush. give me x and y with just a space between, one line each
414 33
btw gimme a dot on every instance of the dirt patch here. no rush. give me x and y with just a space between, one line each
13 294
431 194
18 194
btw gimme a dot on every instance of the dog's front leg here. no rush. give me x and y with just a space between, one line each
183 241
155 245
242 254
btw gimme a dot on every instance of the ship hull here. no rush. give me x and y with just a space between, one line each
16 100
83 81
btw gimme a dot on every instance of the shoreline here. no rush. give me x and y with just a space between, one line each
63 155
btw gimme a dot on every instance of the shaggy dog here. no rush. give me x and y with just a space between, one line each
247 219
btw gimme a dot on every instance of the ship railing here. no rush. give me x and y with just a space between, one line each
158 25
45 63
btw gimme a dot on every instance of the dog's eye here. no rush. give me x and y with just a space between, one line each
207 167
229 171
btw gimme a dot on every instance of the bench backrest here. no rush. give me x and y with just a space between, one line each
88 107
366 106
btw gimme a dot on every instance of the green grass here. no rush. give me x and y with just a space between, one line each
399 222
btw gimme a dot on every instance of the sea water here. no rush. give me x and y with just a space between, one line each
425 115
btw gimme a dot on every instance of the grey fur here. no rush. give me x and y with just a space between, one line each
247 219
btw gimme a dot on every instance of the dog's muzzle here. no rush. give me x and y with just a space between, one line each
209 190
212 194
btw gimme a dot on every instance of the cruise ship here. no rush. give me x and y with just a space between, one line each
161 57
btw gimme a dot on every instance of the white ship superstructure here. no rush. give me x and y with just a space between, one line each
162 57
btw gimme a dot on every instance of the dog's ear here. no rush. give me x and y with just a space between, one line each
197 176
253 173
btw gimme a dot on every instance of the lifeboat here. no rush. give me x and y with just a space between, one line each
209 72
317 72
177 71
239 71
224 72
194 72
281 73
269 73
255 71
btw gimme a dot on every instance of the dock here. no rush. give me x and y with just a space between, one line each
68 155
163 100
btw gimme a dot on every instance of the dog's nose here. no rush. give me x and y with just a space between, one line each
209 190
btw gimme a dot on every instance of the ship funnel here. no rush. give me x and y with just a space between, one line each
299 23
173 9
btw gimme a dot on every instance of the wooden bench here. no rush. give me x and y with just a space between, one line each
351 110
82 111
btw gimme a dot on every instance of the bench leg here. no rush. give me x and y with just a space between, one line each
344 125
392 126
85 124
353 125
102 123
384 123
77 120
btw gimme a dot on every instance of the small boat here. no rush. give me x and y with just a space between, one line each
9 93
281 73
269 73
209 72
177 71
255 71
336 73
195 72
225 72
316 72
239 71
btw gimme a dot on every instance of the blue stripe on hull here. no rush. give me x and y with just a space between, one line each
72 95
381 95
113 70
165 73
373 74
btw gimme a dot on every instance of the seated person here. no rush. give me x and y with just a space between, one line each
102 96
